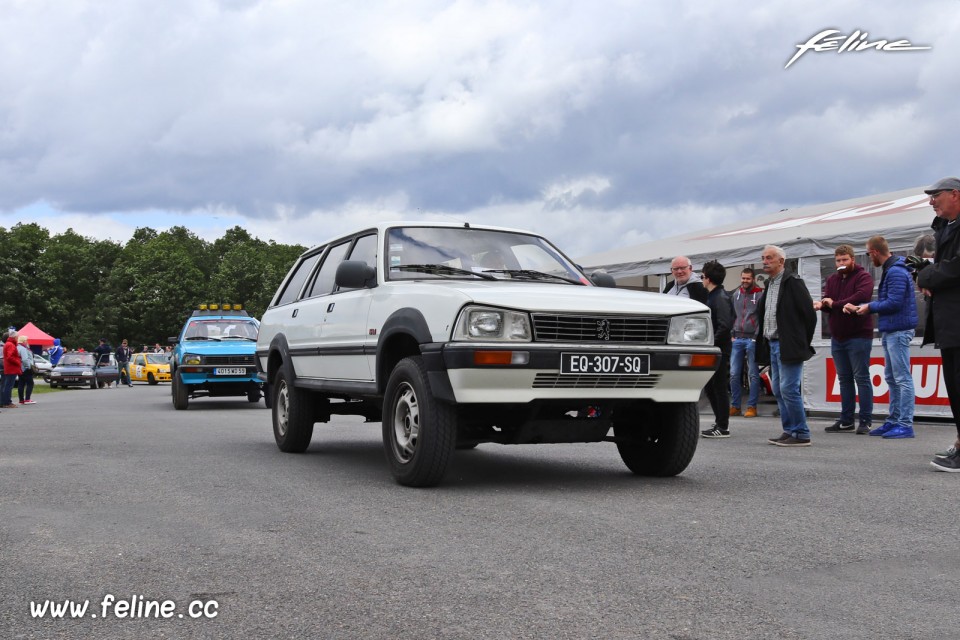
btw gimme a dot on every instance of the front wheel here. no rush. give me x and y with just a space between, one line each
292 414
151 379
179 392
658 439
419 433
253 394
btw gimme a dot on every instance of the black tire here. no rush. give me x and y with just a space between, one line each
151 379
178 390
253 394
419 433
53 385
292 414
658 439
93 383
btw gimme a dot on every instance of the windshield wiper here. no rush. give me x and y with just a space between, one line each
442 270
202 338
239 338
532 275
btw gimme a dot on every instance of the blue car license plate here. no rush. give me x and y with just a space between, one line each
230 371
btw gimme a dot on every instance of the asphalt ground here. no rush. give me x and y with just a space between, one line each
114 492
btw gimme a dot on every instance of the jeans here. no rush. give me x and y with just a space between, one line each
6 390
852 360
896 370
741 346
124 370
785 380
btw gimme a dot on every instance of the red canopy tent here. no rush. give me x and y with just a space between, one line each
38 338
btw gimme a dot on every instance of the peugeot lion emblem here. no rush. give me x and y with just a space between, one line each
603 329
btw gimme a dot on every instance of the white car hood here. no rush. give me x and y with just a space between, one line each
564 298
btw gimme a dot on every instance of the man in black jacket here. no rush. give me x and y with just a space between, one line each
685 282
122 356
722 315
787 322
941 282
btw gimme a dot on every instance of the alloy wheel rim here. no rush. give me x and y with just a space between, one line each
282 408
406 423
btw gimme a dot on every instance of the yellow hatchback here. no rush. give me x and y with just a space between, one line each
150 367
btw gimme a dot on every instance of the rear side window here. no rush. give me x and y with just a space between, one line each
295 283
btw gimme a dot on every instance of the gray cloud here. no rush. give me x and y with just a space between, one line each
650 117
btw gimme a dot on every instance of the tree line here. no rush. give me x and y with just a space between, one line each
79 289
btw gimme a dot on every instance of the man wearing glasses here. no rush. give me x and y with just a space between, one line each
941 281
685 282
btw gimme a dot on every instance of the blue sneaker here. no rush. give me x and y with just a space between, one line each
899 431
882 429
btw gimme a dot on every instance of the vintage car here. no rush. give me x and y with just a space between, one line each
81 369
214 355
453 335
153 368
43 366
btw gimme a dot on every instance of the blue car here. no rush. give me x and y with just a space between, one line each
214 356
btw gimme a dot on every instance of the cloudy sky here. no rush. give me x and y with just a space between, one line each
598 124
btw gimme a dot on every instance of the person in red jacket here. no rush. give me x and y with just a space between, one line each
851 338
12 366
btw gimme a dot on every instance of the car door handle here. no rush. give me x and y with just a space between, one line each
295 311
330 307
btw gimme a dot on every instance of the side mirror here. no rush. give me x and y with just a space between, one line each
354 274
603 279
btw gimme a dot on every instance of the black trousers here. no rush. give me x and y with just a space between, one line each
25 385
951 376
718 389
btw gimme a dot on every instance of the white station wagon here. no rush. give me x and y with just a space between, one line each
454 335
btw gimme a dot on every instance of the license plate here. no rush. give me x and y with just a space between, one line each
605 364
230 371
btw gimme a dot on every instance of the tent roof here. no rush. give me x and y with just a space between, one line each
899 216
36 335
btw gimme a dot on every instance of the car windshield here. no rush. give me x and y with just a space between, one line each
417 253
77 360
158 358
221 329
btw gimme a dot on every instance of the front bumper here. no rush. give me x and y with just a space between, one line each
674 374
211 375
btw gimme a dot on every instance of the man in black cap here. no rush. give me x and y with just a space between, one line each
941 282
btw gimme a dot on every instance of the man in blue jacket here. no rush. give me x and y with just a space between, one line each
896 307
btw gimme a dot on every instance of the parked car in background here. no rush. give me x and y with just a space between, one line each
82 369
43 364
152 368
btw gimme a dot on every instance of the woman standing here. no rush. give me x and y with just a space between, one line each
25 386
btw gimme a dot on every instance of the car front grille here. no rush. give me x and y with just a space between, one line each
229 360
593 381
600 329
